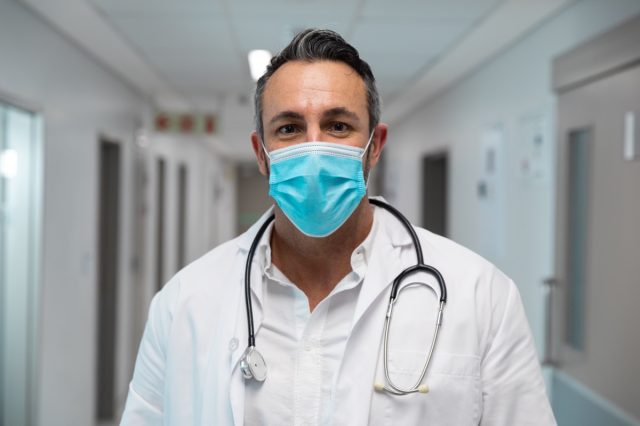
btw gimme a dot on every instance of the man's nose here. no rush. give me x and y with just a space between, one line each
314 133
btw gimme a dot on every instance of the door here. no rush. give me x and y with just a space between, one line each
596 315
20 217
108 231
434 193
181 246
160 223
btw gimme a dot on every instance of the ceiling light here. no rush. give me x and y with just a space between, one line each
258 61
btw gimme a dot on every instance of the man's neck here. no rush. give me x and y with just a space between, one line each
316 265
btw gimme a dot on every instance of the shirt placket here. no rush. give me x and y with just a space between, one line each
307 381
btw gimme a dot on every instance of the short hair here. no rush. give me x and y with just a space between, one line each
317 45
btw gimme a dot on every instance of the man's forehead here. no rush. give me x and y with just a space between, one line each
317 85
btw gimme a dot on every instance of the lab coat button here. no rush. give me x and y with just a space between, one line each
233 344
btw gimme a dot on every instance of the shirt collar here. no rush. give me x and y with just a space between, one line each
394 236
359 256
397 235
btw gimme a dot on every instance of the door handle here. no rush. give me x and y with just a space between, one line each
549 286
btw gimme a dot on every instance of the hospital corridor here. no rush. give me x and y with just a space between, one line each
136 136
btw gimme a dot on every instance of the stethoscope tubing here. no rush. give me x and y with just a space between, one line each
419 266
247 280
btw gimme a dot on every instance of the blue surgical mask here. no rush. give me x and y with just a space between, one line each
317 185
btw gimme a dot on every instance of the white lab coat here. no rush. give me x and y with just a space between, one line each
484 371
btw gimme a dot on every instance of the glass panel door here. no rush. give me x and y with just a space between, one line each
19 260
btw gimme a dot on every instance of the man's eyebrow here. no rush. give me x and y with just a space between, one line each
331 113
340 111
290 115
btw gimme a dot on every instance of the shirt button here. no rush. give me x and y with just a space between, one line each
233 344
311 343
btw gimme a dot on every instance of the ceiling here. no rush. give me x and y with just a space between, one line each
200 46
192 54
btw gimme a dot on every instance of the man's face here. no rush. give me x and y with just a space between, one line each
315 101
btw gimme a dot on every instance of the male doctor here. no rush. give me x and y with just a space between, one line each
319 286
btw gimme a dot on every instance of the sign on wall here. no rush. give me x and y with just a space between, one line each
185 123
534 149
490 191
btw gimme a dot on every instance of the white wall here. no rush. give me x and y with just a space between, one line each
79 101
505 91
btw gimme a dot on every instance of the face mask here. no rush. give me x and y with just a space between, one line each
317 185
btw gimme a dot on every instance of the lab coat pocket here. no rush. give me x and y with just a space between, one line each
454 396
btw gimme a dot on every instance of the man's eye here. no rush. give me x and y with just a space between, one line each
287 129
339 127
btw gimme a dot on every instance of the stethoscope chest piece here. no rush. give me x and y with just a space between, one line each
253 365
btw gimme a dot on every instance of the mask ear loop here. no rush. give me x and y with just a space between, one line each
366 147
366 178
266 153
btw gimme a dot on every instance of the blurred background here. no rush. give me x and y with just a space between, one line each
124 155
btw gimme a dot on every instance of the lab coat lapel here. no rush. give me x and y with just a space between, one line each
241 332
222 397
384 264
223 394
237 381
358 369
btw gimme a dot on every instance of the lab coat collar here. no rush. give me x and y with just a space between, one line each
389 242
245 240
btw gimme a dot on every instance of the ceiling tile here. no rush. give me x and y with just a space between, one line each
285 8
419 10
398 52
396 37
154 8
252 33
200 46
161 31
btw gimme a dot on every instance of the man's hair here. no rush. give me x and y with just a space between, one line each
320 45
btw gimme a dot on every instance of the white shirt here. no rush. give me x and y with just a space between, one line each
303 349
484 370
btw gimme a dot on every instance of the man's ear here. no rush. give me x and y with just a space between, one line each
377 143
258 150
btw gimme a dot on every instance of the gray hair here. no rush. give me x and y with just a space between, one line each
316 45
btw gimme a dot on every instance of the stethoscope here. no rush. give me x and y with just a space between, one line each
252 363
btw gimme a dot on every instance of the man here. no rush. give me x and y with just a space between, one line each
319 285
